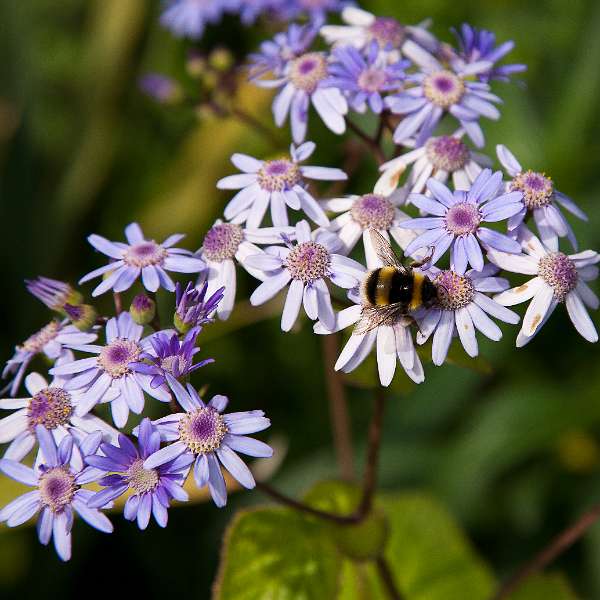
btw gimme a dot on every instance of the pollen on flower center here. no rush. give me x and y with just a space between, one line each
141 480
37 341
57 488
372 79
279 175
115 358
454 291
175 364
443 88
222 241
145 254
308 70
373 211
559 272
50 407
202 430
463 218
387 32
308 262
537 189
447 153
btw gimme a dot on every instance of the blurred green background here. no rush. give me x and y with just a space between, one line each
514 453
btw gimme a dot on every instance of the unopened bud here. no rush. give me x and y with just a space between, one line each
221 59
195 64
142 309
83 316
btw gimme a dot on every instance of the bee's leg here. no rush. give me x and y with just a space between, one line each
423 261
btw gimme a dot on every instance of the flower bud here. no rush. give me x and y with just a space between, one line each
53 293
221 59
195 64
83 316
160 88
143 309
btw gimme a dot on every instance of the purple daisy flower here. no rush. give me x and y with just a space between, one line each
53 293
225 243
302 84
462 308
276 183
107 375
558 279
458 218
171 355
285 46
394 38
188 18
58 493
193 308
364 78
439 90
306 265
52 406
476 45
49 340
140 257
541 199
208 437
151 489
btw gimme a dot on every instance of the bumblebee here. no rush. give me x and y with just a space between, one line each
392 292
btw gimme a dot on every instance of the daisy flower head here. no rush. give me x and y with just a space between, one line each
439 90
107 375
51 406
171 355
151 490
278 184
558 279
142 257
540 199
302 83
53 293
188 18
358 214
477 45
364 77
458 217
209 438
58 493
315 10
442 157
225 243
463 308
51 341
192 306
305 266
285 46
395 39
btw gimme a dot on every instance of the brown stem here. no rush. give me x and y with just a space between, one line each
562 542
369 141
118 302
387 577
338 409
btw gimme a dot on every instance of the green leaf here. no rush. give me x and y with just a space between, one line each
277 554
544 587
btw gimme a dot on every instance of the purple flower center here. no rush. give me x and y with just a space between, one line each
454 291
447 153
37 341
50 407
308 262
57 488
114 359
537 189
141 480
462 218
177 364
222 241
443 88
387 32
145 254
372 79
373 211
308 70
202 430
279 175
560 273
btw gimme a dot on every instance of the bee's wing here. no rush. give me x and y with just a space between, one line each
374 316
384 251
